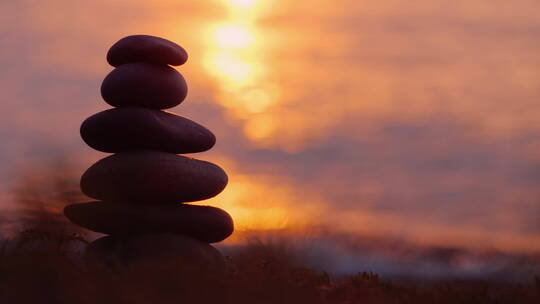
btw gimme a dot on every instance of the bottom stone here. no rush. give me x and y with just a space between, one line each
118 251
158 268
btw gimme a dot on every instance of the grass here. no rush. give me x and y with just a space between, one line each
43 267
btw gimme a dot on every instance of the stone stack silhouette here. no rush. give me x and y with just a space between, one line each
142 188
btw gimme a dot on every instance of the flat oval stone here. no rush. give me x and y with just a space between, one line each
152 177
145 48
134 128
144 85
118 251
204 223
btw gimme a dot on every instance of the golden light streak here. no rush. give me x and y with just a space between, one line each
232 35
232 70
265 213
260 99
242 4
259 127
234 58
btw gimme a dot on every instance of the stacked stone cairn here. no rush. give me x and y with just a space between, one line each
142 188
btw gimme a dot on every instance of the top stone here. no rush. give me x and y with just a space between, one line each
145 48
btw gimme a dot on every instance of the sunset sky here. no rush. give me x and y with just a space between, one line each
417 120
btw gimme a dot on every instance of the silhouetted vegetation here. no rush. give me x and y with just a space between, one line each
44 267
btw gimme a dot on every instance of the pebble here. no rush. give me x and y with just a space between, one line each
133 128
144 85
145 48
152 177
204 223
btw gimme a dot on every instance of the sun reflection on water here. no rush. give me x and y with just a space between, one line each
265 213
242 3
233 36
234 57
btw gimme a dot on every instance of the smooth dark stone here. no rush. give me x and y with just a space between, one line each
160 248
144 85
152 177
124 129
145 48
204 223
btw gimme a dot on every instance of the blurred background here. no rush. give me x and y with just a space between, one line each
395 131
